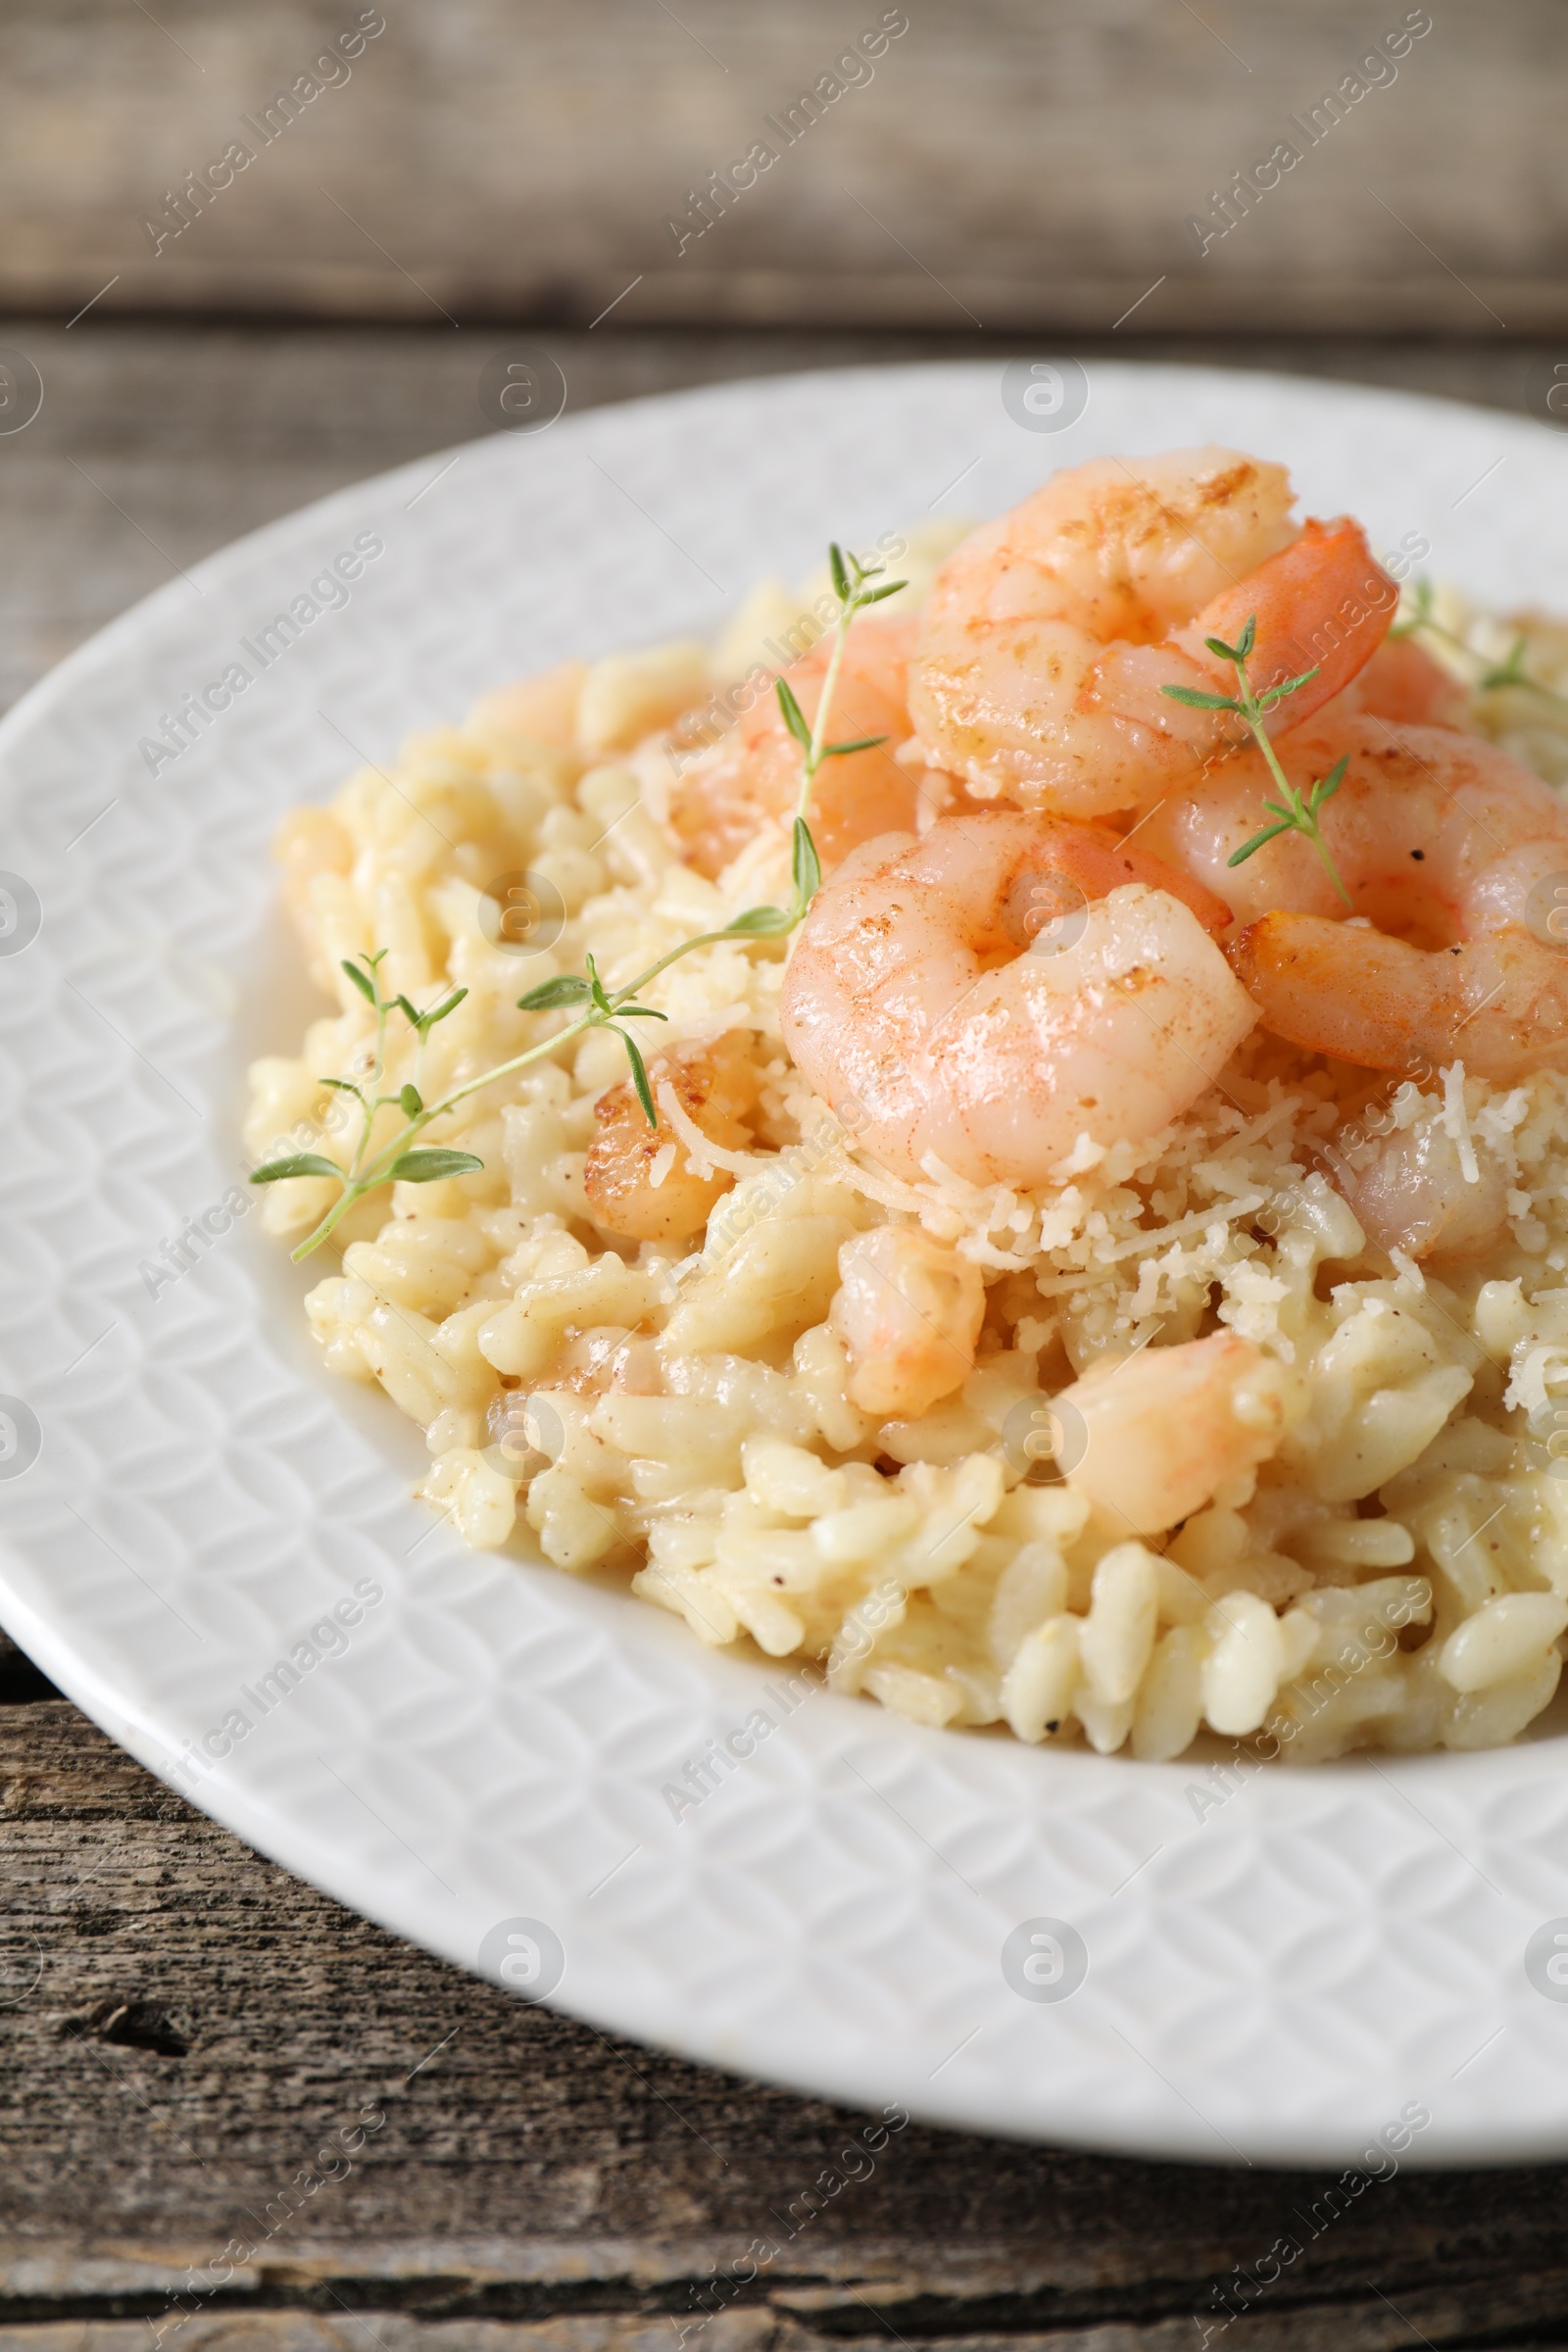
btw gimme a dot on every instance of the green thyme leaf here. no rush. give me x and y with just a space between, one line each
841 579
341 1086
425 1167
1248 638
794 716
1276 694
807 866
428 1021
761 922
874 596
409 1102
639 1012
862 743
1330 785
595 989
299 1163
361 981
1257 843
1195 701
639 1077
567 988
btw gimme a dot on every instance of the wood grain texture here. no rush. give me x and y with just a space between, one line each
156 444
183 2025
1001 164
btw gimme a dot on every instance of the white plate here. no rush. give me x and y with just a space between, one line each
1274 1977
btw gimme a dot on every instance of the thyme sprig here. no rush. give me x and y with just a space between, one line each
1293 811
1511 673
601 1006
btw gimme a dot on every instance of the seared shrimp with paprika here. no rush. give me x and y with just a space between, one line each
1455 859
639 1180
1050 635
1010 983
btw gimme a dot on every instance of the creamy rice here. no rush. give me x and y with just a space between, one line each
1396 1575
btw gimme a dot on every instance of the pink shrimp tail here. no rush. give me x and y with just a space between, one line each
1323 603
1356 995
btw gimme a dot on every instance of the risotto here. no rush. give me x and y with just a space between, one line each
1013 1371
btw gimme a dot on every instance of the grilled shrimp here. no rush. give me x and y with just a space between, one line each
1049 635
718 803
1005 985
639 1181
1455 859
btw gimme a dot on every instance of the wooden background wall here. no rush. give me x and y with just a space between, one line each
1019 164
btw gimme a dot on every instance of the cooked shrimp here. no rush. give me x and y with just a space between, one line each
909 1311
1410 1191
1049 635
926 1003
1452 853
1402 684
719 801
1149 1439
640 1183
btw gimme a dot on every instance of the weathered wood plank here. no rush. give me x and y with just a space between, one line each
996 162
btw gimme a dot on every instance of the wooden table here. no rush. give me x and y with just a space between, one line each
1201 163
182 2023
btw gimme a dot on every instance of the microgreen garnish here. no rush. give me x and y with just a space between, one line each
597 1005
1292 812
1510 672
